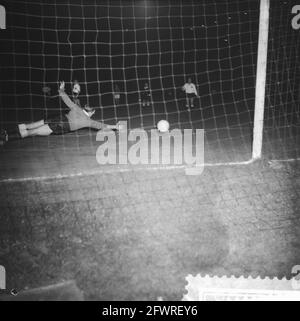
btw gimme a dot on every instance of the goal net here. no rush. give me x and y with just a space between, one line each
114 47
282 108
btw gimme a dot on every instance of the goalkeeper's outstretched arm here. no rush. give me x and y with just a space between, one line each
66 99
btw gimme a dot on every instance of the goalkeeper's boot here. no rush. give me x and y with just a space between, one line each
23 130
3 137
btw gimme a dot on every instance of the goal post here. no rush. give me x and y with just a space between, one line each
261 74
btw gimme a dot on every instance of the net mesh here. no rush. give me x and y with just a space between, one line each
128 43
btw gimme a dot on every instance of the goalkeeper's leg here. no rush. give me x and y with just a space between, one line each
44 130
192 102
23 128
38 128
34 125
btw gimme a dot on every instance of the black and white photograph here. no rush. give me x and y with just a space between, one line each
150 151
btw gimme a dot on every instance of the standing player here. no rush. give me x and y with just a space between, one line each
116 95
146 96
191 93
75 119
75 94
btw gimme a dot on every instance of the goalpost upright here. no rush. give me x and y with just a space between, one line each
261 74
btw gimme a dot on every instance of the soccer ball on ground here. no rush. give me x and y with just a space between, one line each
163 126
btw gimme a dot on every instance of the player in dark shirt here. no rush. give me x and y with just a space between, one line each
146 95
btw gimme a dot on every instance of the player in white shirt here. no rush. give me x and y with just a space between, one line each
191 93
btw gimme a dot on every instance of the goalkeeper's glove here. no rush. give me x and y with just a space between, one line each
62 86
119 126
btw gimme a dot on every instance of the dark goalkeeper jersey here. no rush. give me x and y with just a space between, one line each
76 116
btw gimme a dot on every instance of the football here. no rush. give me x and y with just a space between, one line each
163 126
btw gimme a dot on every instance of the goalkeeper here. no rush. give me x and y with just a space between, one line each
61 124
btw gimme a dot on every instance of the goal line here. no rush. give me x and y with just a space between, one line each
109 170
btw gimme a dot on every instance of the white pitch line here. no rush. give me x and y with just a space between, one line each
284 160
124 170
120 170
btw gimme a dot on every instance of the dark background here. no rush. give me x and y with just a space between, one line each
102 43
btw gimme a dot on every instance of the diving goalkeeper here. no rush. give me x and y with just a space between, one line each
61 124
